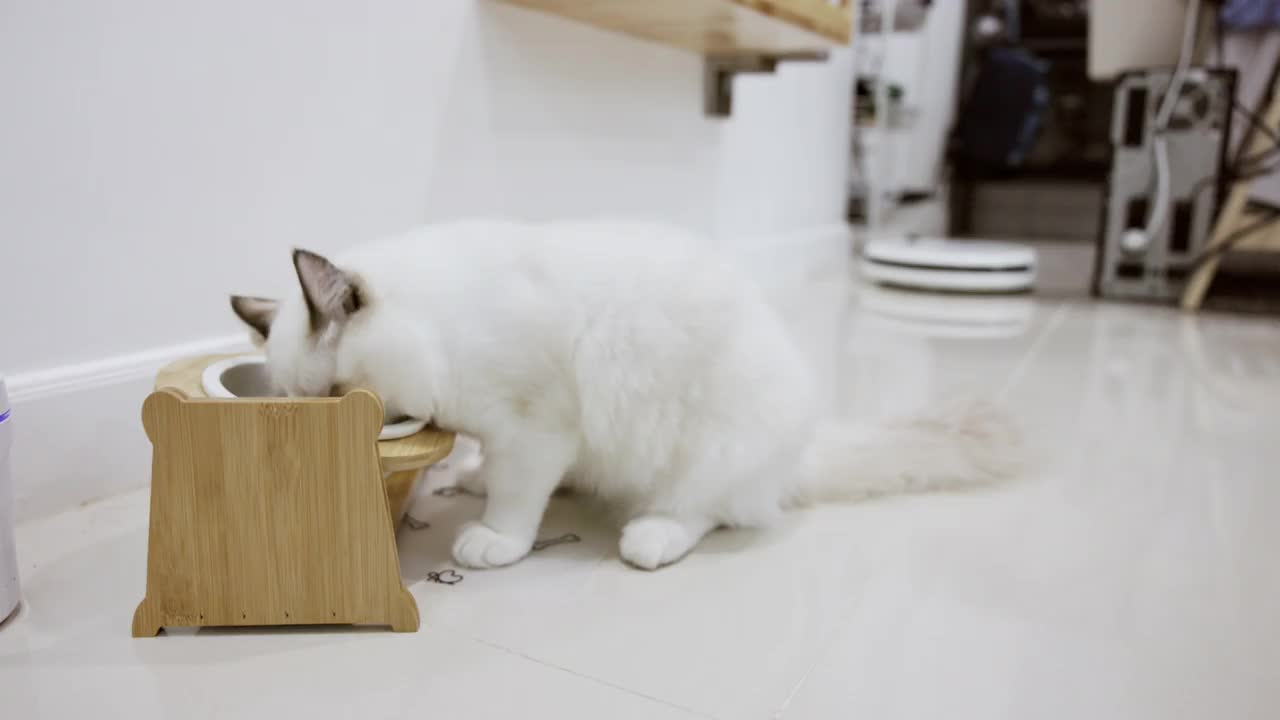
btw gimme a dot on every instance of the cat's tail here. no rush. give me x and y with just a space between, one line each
960 446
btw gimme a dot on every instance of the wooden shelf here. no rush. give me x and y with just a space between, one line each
717 27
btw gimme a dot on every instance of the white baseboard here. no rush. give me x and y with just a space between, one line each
78 428
79 377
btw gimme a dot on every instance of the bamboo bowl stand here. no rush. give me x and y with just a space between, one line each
275 511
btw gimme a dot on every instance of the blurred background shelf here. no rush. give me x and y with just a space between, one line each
716 27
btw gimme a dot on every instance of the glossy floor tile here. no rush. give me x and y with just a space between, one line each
1130 573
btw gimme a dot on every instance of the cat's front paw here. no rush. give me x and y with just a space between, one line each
479 546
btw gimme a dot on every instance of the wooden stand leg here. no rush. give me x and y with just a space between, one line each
399 488
145 622
405 614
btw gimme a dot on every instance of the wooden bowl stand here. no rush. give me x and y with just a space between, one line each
275 511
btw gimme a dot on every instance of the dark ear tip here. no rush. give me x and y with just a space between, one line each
241 302
258 313
304 254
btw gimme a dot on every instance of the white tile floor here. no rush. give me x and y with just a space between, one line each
1131 574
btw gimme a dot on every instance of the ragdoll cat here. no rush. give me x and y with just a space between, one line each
625 361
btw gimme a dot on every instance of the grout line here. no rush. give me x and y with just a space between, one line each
804 678
596 680
821 655
1024 364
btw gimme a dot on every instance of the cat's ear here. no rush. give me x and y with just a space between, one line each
332 295
258 313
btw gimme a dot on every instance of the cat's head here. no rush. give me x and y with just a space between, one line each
301 335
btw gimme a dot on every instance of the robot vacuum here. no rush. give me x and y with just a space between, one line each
950 265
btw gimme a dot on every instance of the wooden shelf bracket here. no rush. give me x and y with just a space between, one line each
719 71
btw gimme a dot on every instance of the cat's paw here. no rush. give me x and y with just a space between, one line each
653 541
479 546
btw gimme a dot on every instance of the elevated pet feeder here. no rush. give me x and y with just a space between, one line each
274 511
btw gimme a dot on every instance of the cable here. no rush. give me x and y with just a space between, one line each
1254 120
1231 176
1256 123
1169 102
1160 208
1232 240
1243 168
1234 175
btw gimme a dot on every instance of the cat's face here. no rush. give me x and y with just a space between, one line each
301 334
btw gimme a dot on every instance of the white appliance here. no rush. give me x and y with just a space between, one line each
949 265
8 551
1114 46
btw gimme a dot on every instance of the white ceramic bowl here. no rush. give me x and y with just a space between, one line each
246 376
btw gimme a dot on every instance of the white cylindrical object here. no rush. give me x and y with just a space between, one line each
8 549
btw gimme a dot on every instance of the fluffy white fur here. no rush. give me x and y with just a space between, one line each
625 361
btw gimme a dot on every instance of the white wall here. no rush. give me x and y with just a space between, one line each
156 155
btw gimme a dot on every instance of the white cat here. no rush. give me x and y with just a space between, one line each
626 361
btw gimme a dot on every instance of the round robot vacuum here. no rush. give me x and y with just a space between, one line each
950 265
